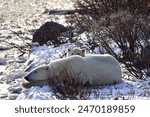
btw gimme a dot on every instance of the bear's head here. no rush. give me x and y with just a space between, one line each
40 73
76 51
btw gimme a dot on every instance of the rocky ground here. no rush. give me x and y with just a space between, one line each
18 21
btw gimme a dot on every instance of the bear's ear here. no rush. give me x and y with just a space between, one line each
47 68
69 49
83 50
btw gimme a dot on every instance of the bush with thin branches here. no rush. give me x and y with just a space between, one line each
121 28
66 86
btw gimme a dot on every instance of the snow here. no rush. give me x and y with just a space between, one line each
37 93
44 55
127 89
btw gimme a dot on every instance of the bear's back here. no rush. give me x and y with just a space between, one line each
104 58
103 68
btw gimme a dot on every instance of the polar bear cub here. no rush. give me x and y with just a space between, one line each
76 51
94 70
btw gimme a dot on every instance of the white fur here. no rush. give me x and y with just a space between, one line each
94 69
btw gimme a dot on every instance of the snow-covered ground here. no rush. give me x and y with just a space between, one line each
25 16
128 89
138 89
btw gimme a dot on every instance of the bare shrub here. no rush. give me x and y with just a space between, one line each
120 27
66 86
87 10
130 35
22 48
97 8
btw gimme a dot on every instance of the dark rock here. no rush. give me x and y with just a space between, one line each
48 33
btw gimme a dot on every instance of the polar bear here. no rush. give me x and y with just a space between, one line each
95 70
76 51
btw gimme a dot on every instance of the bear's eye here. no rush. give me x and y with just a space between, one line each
46 68
72 54
35 71
78 53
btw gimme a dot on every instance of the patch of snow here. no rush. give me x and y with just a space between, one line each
10 81
44 55
37 93
136 89
3 91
